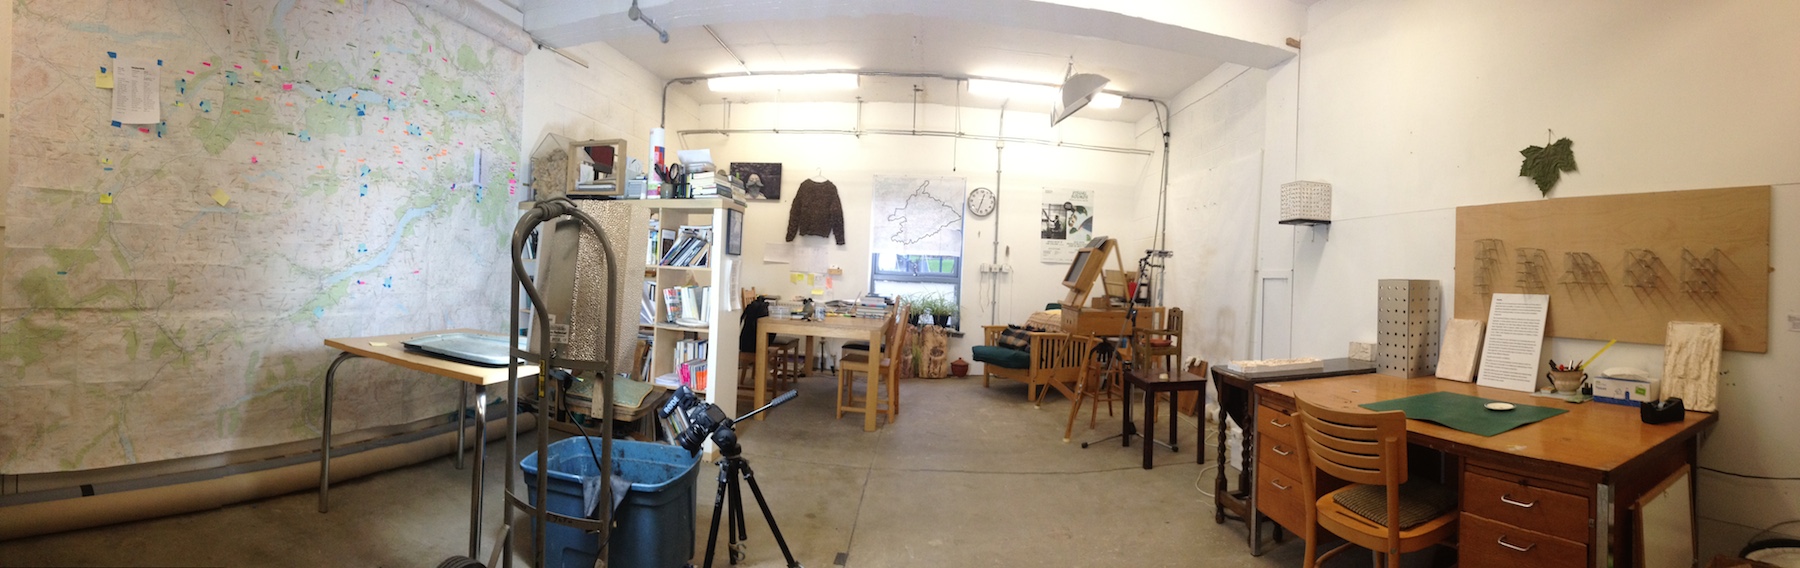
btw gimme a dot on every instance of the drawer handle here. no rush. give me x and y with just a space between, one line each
1277 423
1277 449
1526 548
1278 485
1507 498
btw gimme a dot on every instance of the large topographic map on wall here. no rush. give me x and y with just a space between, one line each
917 215
320 168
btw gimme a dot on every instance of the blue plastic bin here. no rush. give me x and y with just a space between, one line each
655 527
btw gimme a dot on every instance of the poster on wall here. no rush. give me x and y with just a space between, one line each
917 215
762 180
1066 223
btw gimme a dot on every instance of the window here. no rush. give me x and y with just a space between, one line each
915 274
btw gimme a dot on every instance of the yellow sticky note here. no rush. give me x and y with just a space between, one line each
106 199
811 280
796 277
103 79
818 291
220 196
105 161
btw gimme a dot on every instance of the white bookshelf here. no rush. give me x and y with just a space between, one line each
721 329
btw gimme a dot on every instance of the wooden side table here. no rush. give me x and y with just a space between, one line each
1134 378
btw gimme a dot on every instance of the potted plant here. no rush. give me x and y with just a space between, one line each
933 309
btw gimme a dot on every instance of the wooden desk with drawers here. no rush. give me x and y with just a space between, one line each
1530 497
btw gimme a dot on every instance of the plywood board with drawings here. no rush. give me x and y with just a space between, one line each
1624 266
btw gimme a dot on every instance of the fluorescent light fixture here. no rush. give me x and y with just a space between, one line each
808 82
1011 90
1077 92
1106 100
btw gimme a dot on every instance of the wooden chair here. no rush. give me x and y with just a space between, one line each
1097 382
894 340
1150 343
1368 450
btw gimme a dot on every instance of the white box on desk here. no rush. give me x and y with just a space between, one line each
1628 392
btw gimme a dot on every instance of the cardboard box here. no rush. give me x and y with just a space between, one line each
1629 392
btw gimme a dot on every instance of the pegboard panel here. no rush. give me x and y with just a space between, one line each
1408 329
1623 266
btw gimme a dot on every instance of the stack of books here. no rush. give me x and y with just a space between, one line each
690 247
688 305
871 307
692 374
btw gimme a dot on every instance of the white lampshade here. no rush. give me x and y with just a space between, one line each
1077 91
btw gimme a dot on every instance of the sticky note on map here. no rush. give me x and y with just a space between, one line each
106 199
103 78
220 196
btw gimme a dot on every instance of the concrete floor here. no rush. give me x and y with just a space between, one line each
967 477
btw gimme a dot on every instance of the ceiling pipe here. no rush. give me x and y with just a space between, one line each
663 121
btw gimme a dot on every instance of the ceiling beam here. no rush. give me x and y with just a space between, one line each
1246 32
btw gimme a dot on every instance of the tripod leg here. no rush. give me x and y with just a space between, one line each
712 536
735 528
762 503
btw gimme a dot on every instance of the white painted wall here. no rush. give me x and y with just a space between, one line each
611 98
851 164
1411 108
1217 150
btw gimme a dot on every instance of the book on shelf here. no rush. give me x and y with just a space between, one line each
688 306
689 248
647 312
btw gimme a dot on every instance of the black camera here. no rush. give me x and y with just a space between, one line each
691 419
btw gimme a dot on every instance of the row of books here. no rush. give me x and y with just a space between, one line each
691 374
690 247
690 349
688 305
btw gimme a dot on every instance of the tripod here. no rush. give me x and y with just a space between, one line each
1149 273
731 469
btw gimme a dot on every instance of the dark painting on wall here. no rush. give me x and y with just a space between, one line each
762 180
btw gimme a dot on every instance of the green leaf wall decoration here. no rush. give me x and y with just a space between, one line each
1545 164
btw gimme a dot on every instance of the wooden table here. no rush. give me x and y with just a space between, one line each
387 348
1133 378
866 329
1237 390
1554 483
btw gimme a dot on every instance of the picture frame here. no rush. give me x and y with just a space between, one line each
734 232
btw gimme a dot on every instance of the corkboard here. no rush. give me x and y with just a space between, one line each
1623 266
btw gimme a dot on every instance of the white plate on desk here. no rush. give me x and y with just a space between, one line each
1499 406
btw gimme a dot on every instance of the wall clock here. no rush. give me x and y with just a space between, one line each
982 202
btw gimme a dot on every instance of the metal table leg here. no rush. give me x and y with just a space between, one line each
325 431
462 407
480 460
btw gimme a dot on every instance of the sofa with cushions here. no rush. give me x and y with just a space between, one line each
1040 359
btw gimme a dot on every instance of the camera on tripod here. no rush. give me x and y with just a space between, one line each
691 419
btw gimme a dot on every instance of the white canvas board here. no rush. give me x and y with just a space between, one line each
1515 339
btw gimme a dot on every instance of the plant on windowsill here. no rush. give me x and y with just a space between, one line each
941 310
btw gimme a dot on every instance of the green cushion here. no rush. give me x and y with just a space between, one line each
1420 501
1001 356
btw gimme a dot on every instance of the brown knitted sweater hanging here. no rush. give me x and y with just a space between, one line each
816 211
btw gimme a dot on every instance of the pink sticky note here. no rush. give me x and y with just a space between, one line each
206 63
236 66
253 159
287 86
190 71
143 129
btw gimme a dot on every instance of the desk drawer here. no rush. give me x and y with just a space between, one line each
1278 496
1516 503
1484 543
1278 425
1277 454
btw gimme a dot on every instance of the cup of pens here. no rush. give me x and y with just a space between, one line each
1566 380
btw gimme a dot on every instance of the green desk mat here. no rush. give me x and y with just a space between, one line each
1464 412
